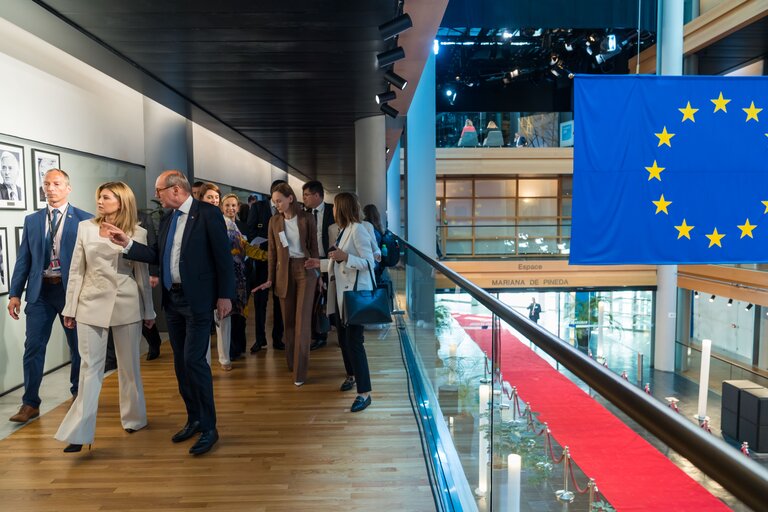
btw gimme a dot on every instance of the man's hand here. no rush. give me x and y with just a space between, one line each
69 322
14 306
153 281
116 235
223 307
149 323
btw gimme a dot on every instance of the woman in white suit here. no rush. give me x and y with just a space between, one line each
351 259
106 290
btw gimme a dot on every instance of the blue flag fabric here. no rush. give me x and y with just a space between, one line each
670 170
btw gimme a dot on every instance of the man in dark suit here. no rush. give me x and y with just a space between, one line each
313 195
198 276
258 224
9 173
42 264
519 141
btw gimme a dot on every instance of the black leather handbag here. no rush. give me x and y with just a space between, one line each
321 324
366 306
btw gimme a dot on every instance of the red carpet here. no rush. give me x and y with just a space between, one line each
630 473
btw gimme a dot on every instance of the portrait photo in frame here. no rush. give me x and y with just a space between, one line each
12 183
41 162
5 277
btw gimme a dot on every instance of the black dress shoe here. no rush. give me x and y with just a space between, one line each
74 448
316 344
278 345
360 403
205 443
348 384
153 353
190 429
256 347
263 343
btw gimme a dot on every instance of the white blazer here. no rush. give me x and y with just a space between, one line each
333 234
104 288
356 242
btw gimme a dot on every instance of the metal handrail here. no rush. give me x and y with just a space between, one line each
742 477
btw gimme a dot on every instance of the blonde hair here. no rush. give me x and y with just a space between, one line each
127 216
492 125
228 196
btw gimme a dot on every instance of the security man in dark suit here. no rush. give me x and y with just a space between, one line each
258 225
198 276
313 195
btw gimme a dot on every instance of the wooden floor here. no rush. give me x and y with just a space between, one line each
282 448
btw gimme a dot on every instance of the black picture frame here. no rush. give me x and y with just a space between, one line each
19 234
12 169
42 160
5 275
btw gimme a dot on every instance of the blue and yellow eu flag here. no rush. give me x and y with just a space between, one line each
670 170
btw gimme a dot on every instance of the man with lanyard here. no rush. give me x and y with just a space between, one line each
42 264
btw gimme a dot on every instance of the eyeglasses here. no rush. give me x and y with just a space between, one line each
158 190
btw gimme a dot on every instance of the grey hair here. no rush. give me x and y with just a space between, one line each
177 179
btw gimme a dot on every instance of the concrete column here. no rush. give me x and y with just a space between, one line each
393 193
166 144
669 61
371 161
421 188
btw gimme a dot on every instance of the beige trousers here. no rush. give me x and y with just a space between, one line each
297 317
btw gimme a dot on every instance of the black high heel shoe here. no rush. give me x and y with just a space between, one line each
74 448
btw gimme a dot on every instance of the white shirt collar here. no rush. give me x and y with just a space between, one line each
61 208
185 206
320 208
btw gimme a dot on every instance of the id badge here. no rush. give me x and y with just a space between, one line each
55 264
283 239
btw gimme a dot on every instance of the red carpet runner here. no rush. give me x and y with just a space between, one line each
630 473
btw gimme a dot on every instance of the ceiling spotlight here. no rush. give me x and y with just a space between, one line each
387 149
610 42
554 71
514 73
385 97
391 112
749 306
730 302
695 294
395 79
568 47
395 26
712 299
390 57
506 34
553 59
436 47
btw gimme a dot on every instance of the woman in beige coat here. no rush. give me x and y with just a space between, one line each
105 290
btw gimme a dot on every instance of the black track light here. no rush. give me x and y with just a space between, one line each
695 294
730 302
749 306
390 57
385 97
395 79
395 26
391 112
712 299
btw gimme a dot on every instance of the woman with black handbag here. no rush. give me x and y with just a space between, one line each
349 267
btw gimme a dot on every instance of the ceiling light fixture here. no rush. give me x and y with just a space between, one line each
695 294
385 97
391 112
390 57
395 26
712 299
730 302
395 79
749 306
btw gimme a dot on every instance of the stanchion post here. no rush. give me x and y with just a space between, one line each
706 349
564 494
592 491
639 368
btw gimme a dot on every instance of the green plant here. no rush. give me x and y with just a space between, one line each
442 316
513 437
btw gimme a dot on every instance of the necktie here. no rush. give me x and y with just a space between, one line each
49 238
12 193
167 279
314 212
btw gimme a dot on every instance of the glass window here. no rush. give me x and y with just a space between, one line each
458 188
458 247
458 208
506 231
494 208
440 188
528 207
495 188
494 247
566 184
459 229
566 207
538 188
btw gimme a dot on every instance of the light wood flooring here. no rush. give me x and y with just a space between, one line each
282 448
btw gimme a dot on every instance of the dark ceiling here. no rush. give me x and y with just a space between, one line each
290 76
737 49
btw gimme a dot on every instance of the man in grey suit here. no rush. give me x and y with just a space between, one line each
9 172
42 264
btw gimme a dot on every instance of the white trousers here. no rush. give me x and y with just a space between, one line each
224 339
79 425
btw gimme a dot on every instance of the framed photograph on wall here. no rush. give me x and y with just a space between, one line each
5 278
41 162
19 233
12 189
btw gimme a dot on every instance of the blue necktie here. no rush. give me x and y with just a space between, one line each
49 239
167 279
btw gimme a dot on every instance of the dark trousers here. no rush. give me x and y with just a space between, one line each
237 340
353 352
260 300
189 333
318 291
40 317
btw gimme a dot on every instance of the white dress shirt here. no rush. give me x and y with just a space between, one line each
177 237
294 238
319 217
56 236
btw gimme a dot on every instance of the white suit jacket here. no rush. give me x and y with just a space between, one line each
356 242
105 289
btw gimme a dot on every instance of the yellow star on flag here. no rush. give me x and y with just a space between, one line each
714 238
655 171
665 137
752 112
746 229
720 103
688 112
684 230
765 203
661 204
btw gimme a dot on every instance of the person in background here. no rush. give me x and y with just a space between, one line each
258 226
519 141
313 195
469 127
534 310
350 261
106 290
42 266
372 217
196 189
292 241
230 331
210 193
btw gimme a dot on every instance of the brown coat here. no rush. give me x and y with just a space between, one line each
278 255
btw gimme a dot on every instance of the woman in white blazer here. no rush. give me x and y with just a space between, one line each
106 290
351 258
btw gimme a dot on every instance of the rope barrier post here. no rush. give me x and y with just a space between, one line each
745 449
639 368
624 375
592 493
672 403
564 494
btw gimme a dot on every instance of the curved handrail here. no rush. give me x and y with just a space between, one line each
742 477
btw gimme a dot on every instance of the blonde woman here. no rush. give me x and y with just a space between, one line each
105 290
